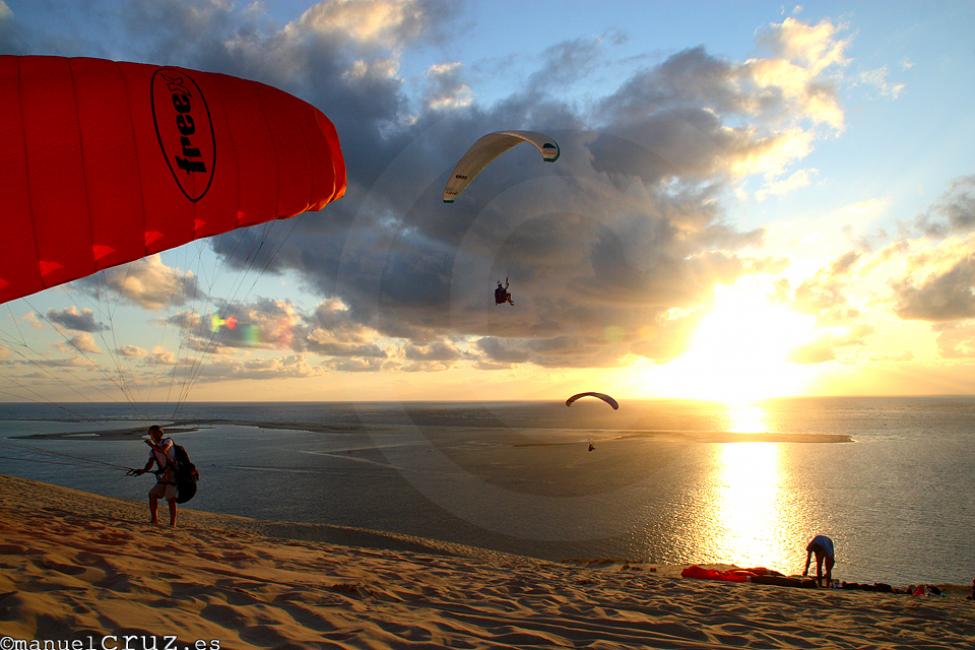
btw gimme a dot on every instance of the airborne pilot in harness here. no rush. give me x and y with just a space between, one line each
501 294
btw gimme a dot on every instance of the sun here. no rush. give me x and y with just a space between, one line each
740 350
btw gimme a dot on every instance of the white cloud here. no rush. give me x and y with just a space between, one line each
148 282
70 362
388 22
444 68
355 364
446 90
83 342
772 154
956 340
289 366
160 356
797 180
5 11
815 47
131 351
798 85
808 239
878 79
380 68
31 319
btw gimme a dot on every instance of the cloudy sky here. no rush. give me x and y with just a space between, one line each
751 201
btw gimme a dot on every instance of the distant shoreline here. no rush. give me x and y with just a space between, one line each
187 426
667 435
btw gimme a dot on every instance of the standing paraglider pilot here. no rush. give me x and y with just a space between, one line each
161 452
501 294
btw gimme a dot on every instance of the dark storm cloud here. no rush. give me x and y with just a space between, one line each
554 352
336 349
942 297
690 79
622 228
79 320
436 351
561 351
599 246
503 351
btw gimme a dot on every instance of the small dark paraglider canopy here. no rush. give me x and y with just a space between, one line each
603 396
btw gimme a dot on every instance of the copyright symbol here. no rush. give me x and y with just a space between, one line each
6 643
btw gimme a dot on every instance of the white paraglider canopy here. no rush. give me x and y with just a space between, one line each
489 147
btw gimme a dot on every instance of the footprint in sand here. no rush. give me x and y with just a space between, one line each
117 538
225 616
308 618
265 635
92 557
213 557
169 576
67 569
350 589
13 549
118 583
237 557
238 596
165 603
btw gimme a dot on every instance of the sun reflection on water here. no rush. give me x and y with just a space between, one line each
748 501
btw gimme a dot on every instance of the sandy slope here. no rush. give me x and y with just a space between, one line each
74 564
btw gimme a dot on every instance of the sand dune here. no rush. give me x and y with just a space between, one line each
75 564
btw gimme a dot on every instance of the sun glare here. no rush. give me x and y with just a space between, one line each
748 505
746 417
740 351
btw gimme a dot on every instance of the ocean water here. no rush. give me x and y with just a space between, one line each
669 482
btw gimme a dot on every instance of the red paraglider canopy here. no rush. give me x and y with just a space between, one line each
106 162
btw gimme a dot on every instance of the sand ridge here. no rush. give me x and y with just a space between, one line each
75 564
